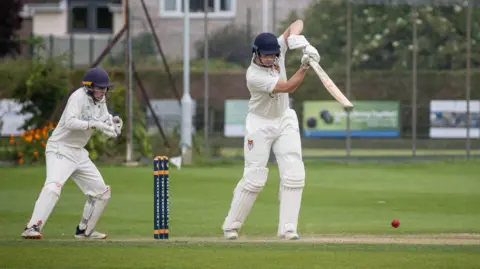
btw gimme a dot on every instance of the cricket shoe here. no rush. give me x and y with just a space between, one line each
80 234
230 234
32 233
290 235
290 232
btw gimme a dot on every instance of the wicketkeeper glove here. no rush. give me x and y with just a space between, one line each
117 124
103 127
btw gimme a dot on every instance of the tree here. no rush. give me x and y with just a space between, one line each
382 35
10 22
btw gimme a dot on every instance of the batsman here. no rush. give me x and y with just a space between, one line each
272 125
86 111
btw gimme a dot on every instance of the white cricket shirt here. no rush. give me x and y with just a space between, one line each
261 81
73 128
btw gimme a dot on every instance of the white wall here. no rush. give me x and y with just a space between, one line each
50 23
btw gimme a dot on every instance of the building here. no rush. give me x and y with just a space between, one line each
82 27
86 26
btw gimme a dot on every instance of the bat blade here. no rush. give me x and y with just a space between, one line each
330 85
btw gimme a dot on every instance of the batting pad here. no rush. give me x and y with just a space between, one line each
93 210
291 197
45 203
244 197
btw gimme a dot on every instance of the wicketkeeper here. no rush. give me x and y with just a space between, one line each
66 157
272 124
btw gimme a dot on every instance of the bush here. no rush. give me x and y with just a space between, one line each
38 85
28 148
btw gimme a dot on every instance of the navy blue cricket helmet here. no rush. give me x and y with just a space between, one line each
266 43
97 77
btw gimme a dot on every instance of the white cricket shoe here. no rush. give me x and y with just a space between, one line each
230 234
32 233
80 234
291 236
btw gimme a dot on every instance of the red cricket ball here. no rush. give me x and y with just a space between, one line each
395 223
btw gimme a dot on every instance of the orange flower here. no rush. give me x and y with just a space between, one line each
37 136
20 161
43 144
28 139
19 154
11 141
35 154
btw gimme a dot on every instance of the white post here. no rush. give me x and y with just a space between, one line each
265 15
130 88
186 126
206 93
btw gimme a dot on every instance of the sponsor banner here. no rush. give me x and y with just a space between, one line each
236 111
448 119
372 119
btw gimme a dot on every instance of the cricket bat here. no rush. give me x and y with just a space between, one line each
331 87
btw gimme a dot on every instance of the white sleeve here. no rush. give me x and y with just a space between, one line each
104 110
258 83
72 114
283 44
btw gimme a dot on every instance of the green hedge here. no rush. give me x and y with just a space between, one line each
365 85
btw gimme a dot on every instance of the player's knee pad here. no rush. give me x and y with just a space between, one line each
53 187
254 179
294 175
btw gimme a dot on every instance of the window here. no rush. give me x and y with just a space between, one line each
80 18
198 5
104 19
216 8
91 18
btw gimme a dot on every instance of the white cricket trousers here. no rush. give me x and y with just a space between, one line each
65 162
262 135
282 135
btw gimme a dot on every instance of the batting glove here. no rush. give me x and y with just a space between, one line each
305 61
312 52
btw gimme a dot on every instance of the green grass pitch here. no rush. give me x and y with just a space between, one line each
344 220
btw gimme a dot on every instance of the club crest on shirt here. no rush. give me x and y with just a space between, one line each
250 144
274 71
